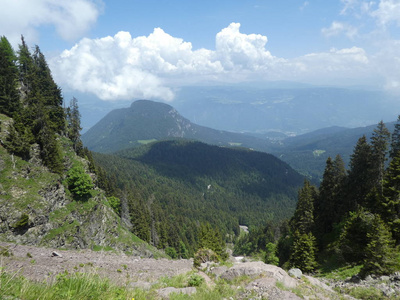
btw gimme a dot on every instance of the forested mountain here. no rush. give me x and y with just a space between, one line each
146 121
307 153
177 185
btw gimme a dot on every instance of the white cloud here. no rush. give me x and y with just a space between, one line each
338 28
304 5
122 67
387 12
70 18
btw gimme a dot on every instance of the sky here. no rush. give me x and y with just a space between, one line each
123 50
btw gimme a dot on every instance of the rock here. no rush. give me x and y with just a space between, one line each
296 273
265 288
218 271
165 292
384 278
254 269
56 254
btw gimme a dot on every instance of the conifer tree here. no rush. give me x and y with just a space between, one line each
395 143
9 98
389 202
303 252
74 125
380 252
361 178
303 218
379 142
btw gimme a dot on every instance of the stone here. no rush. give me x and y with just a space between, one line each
295 272
56 254
218 271
258 268
165 292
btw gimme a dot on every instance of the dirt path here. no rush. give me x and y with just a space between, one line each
39 264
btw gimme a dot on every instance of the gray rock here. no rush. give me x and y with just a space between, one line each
295 272
384 278
254 269
218 271
165 292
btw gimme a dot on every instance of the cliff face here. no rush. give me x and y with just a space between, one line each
36 207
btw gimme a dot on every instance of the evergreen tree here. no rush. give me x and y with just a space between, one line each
9 98
74 125
361 178
210 238
26 70
327 205
303 252
379 141
389 202
395 143
303 218
380 252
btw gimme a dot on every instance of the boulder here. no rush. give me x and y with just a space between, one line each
296 273
257 268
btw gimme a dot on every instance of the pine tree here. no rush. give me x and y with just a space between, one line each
210 238
379 142
74 125
303 252
361 178
380 252
395 143
9 98
303 218
389 203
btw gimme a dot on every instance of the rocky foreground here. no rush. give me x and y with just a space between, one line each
253 280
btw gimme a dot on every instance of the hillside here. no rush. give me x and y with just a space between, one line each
37 207
307 153
145 121
179 184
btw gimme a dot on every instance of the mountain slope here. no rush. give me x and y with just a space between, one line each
146 121
308 153
36 207
186 182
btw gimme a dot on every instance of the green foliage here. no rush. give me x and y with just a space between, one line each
115 204
5 251
380 252
79 182
270 255
171 252
210 238
303 218
303 252
195 280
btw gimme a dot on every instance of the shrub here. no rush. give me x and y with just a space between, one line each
171 252
79 183
204 255
195 280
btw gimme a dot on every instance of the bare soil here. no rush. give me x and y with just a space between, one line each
40 264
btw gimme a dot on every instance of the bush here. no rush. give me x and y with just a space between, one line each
22 223
79 183
171 252
115 204
195 280
204 255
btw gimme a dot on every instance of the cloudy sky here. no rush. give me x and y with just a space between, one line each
129 49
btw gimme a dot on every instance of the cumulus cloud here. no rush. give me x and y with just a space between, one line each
338 28
124 67
70 18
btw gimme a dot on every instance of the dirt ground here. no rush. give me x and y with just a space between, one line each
40 264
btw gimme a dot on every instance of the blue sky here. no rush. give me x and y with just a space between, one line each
124 50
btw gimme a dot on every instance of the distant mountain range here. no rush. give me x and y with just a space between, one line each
286 110
146 121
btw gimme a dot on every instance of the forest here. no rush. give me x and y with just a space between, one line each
351 219
182 196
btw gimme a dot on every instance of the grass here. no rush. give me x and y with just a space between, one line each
85 286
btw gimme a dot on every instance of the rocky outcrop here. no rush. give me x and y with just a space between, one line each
257 268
